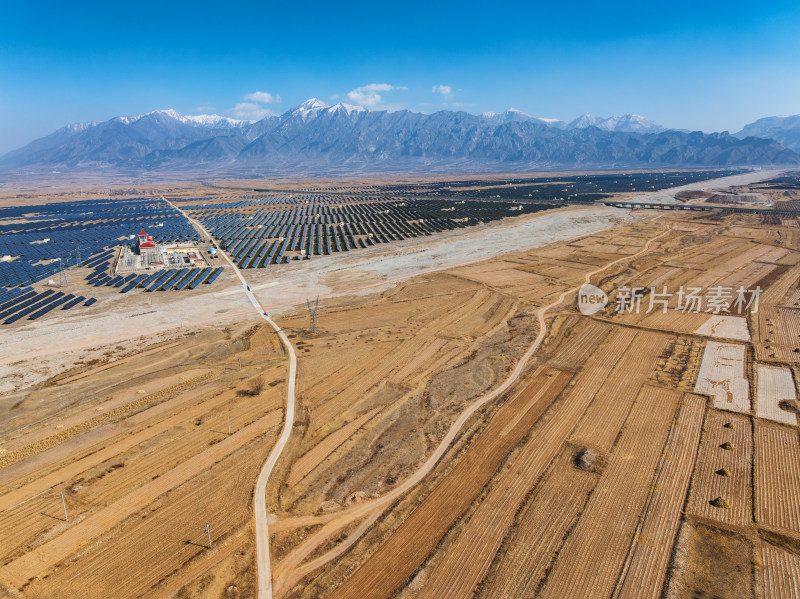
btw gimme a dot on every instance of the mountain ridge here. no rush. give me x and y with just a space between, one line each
783 129
316 134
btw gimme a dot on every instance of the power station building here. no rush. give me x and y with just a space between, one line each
148 255
146 248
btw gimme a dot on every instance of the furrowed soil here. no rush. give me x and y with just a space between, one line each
619 464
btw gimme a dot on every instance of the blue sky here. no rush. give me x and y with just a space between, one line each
699 65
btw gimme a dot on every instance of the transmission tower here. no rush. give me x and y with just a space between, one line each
313 307
62 282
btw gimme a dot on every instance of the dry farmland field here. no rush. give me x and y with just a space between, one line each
461 429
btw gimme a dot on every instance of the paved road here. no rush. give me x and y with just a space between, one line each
259 499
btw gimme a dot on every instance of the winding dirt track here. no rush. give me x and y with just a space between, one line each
260 497
291 570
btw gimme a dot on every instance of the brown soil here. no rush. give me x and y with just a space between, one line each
709 563
572 484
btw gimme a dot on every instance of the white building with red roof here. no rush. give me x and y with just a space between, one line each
146 241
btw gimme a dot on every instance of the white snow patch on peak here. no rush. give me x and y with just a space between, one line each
515 114
78 127
347 108
199 120
127 120
214 120
170 112
625 123
630 123
313 104
312 107
585 120
512 114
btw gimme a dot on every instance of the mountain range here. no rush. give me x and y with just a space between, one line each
628 123
318 137
783 129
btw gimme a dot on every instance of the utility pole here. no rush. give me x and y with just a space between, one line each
64 505
229 423
208 532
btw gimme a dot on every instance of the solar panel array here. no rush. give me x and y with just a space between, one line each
27 302
174 279
43 238
275 229
39 241
576 186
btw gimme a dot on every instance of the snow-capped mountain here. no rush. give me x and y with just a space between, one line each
200 120
341 107
630 123
783 129
316 136
214 121
310 108
627 123
313 108
584 121
124 139
512 114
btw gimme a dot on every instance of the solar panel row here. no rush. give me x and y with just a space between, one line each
34 305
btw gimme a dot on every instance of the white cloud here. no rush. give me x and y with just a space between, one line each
262 98
249 111
445 90
367 95
252 108
204 108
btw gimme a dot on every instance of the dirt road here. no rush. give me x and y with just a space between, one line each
291 570
259 499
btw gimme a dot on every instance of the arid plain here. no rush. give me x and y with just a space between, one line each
461 428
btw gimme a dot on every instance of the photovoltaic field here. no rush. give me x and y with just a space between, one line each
275 229
49 242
